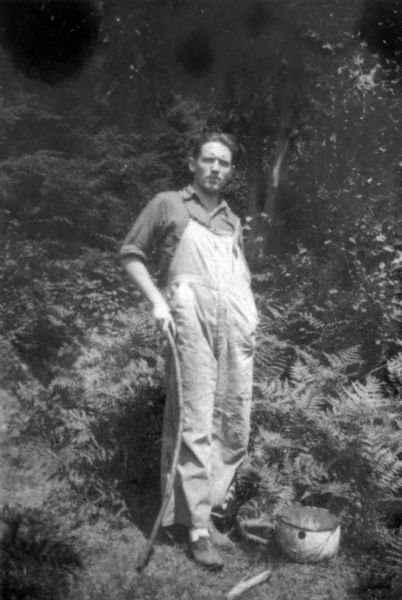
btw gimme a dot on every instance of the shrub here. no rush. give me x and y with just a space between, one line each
324 437
37 560
104 414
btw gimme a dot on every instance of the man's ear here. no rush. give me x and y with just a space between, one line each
191 164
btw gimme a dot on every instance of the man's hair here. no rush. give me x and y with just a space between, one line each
226 139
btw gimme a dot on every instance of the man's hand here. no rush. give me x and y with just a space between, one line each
163 317
140 276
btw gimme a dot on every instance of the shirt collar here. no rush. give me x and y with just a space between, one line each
188 193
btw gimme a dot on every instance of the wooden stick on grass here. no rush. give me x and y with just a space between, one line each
247 584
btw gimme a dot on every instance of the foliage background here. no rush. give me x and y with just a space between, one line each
312 90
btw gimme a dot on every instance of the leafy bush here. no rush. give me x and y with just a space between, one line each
323 436
344 292
104 412
37 560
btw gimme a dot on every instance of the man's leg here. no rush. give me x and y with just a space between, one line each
233 394
190 505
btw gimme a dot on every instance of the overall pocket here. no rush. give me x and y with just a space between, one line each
179 294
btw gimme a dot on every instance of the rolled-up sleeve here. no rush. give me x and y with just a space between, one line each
146 231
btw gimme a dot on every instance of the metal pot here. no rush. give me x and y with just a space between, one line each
307 533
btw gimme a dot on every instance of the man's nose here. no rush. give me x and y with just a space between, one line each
215 165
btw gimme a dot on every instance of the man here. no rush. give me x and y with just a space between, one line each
209 306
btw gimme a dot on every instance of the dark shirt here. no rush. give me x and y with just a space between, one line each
161 223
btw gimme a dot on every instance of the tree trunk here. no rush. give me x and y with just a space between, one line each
273 183
256 175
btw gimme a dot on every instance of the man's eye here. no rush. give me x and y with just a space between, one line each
222 163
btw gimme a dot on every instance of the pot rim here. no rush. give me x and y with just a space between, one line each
335 526
291 514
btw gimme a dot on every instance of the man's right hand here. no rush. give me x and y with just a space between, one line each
163 317
140 276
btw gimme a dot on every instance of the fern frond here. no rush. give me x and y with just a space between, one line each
271 391
286 497
310 401
366 397
312 321
308 471
335 489
394 368
371 445
391 482
250 510
385 464
247 472
275 311
308 358
344 358
270 440
302 373
327 429
272 356
277 483
271 362
65 383
394 552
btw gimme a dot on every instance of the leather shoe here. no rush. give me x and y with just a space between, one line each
205 553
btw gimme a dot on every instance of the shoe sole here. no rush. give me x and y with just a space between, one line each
208 567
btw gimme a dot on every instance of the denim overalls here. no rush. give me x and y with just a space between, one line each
215 315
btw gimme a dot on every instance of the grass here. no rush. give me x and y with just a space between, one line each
110 548
172 574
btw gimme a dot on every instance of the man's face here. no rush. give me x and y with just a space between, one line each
212 168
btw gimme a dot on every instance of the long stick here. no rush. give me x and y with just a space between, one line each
144 558
243 586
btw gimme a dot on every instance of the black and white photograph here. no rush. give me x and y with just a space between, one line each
200 299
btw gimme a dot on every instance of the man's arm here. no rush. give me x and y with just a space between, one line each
139 275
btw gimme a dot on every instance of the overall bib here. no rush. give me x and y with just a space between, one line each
215 315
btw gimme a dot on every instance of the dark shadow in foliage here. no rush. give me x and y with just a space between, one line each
49 39
195 54
36 560
37 343
257 19
381 29
135 468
